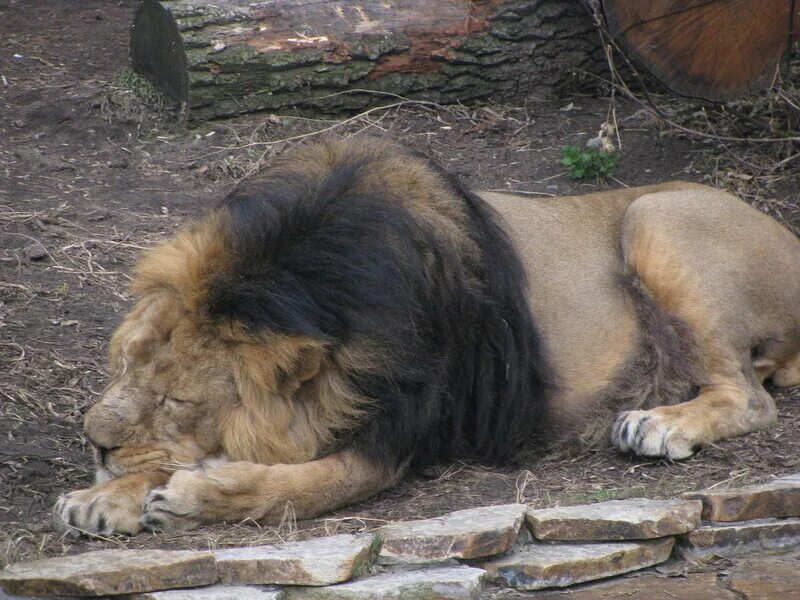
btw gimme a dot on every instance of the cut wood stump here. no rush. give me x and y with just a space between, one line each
712 49
233 56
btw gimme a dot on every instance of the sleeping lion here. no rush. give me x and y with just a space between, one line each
352 313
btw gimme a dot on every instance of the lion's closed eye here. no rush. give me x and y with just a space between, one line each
166 399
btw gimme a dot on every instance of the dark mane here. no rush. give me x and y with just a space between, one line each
325 256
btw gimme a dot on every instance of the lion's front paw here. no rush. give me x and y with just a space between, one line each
649 433
98 511
177 506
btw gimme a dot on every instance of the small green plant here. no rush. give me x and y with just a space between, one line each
588 163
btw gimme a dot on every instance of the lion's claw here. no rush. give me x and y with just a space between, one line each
165 510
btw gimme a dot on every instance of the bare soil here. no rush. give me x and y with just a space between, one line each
88 179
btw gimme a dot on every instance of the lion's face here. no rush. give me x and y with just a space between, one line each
182 391
170 386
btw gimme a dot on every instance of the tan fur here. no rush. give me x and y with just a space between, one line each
238 425
262 493
787 373
728 272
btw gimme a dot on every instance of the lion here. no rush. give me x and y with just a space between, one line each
352 313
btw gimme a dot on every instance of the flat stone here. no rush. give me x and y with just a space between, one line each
538 566
633 519
108 572
436 583
780 498
769 535
35 251
320 561
695 586
471 533
215 592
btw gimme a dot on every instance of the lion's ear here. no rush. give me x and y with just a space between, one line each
309 363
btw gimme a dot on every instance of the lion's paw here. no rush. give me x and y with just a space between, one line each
176 506
648 433
96 511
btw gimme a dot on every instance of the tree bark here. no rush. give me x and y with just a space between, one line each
235 56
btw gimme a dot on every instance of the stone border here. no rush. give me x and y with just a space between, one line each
451 556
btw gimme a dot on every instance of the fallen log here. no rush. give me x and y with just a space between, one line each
235 56
715 50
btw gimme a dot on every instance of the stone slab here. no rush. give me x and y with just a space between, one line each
435 583
464 534
108 572
321 561
695 586
215 592
633 519
780 498
539 566
742 538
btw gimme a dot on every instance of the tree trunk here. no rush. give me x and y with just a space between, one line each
235 56
715 50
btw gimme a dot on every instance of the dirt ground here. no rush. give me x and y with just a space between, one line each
87 180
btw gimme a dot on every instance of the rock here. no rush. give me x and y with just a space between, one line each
695 586
320 561
35 252
538 566
108 572
471 533
215 592
438 583
770 535
780 498
634 519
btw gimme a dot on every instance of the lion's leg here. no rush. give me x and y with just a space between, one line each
714 283
241 491
720 411
111 507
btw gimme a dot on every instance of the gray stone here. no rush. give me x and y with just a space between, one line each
538 566
216 592
35 251
738 539
633 519
780 498
108 572
320 561
471 533
693 586
436 583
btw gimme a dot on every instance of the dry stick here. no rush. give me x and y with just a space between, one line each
525 192
270 144
337 124
631 96
650 105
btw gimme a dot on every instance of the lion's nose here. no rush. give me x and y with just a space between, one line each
98 436
102 453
